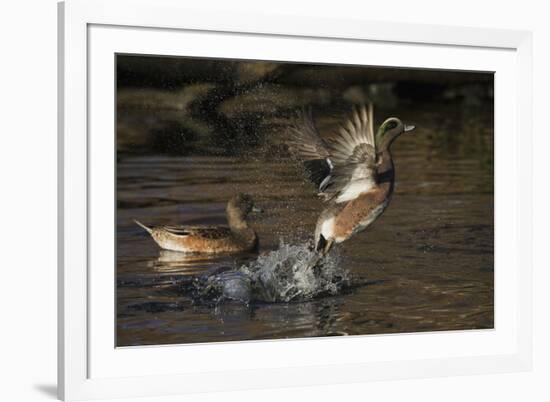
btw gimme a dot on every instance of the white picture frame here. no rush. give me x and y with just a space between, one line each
91 367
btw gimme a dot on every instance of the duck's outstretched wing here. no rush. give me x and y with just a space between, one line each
344 165
352 153
305 143
304 139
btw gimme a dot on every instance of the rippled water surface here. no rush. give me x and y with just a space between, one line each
425 265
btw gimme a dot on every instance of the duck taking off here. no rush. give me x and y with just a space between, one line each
353 169
237 237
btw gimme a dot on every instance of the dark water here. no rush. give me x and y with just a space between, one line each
425 265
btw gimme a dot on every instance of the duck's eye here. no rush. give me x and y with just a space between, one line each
392 125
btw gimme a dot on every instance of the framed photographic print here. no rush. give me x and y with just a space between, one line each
247 202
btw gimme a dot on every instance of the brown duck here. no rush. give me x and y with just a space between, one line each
353 169
237 237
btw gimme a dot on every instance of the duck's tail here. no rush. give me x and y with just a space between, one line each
147 228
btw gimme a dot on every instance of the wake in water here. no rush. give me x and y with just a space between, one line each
282 275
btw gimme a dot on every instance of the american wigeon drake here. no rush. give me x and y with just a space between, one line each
237 237
353 169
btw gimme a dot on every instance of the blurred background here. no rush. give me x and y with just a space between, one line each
183 106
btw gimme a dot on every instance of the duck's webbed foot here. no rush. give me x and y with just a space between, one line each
323 247
328 246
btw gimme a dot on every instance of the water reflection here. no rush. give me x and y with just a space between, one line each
183 263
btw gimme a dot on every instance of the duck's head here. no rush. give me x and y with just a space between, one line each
389 130
242 204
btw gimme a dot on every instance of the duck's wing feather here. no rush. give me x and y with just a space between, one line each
304 139
206 232
306 144
352 153
344 165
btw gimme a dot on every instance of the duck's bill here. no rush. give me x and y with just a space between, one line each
257 210
409 127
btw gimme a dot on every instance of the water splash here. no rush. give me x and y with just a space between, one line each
282 275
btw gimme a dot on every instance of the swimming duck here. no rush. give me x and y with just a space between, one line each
237 237
353 169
